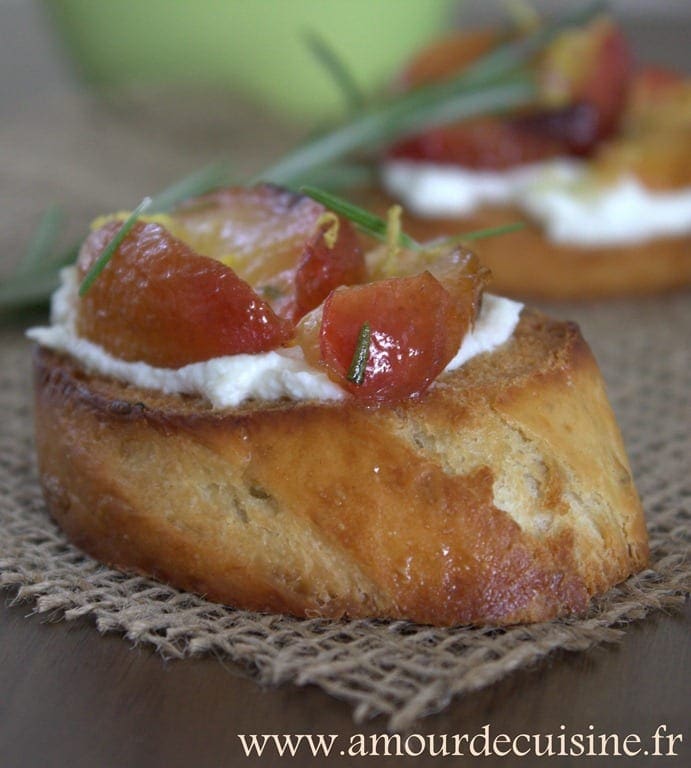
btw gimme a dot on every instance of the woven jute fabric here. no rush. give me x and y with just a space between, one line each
399 670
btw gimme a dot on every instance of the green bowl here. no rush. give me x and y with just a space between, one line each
255 47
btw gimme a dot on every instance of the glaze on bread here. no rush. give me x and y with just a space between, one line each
502 495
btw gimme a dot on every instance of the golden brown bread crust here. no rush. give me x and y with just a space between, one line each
503 495
526 264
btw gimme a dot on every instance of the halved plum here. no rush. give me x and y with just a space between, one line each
583 81
414 329
159 301
456 268
483 143
654 144
585 74
275 240
658 88
464 278
323 267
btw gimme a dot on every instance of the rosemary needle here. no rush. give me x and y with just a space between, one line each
98 266
336 67
376 227
366 222
38 252
197 183
481 234
358 365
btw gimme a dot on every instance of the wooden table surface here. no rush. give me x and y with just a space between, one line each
72 697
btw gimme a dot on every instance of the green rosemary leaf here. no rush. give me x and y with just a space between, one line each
98 266
502 229
365 221
337 176
28 290
197 183
418 109
358 365
481 234
40 248
336 67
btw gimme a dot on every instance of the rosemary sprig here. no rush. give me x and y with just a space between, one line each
100 263
428 106
37 273
197 183
480 234
40 248
358 365
336 68
368 223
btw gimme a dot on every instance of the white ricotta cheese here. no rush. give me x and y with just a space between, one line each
230 380
559 194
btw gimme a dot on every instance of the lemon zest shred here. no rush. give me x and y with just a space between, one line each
155 218
393 235
332 225
231 260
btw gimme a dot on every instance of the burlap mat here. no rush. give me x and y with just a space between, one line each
398 670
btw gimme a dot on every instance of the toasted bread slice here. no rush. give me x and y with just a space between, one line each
502 495
528 265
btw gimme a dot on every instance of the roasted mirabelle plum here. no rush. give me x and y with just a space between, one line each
160 302
456 268
413 330
284 244
483 143
658 98
414 323
583 81
589 65
660 159
654 143
246 263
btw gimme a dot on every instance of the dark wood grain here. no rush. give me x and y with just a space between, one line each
72 697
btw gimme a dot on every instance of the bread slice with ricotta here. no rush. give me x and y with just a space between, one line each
501 495
529 265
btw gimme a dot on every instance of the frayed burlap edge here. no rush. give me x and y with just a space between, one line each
393 669
396 669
